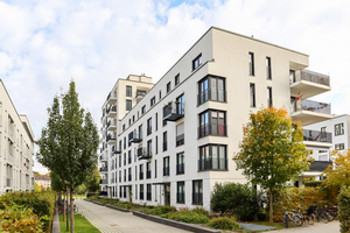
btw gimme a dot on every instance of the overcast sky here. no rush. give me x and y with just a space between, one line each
46 43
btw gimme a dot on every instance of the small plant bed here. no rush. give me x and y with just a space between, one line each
125 205
81 225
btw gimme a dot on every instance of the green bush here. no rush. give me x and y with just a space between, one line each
238 199
187 216
42 204
224 223
344 210
201 211
17 218
160 210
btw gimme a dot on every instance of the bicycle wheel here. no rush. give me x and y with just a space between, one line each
298 221
310 220
324 217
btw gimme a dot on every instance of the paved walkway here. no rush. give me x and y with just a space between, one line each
331 227
109 221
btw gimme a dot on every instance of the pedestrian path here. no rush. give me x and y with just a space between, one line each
331 227
109 221
255 227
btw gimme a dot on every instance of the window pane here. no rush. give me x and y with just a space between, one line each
213 89
221 90
222 155
214 154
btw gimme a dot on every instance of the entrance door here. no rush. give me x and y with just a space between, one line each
167 194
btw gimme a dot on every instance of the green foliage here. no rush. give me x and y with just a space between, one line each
17 218
41 204
238 199
82 225
340 176
160 210
344 209
224 223
187 216
93 181
81 189
272 150
201 211
315 183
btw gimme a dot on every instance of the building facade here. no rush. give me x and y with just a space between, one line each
16 147
178 140
43 182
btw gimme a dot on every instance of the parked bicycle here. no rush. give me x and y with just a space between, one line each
290 216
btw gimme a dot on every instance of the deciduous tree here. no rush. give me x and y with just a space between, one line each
272 151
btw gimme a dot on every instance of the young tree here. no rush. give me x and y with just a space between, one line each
340 175
271 152
93 182
68 144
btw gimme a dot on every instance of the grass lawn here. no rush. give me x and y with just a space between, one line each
82 225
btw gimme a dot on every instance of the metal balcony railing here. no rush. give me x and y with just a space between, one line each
103 181
317 136
103 169
319 166
173 111
144 153
180 139
110 138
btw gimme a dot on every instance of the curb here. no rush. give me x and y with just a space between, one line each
117 208
173 223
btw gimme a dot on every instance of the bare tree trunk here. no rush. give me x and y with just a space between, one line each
66 212
71 210
271 206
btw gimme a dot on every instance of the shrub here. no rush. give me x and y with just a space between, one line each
315 183
41 203
187 216
20 219
201 211
224 223
160 210
344 210
238 199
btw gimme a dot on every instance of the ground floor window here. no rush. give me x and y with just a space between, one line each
180 194
149 192
197 192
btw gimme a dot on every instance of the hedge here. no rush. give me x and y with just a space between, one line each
41 203
224 223
344 210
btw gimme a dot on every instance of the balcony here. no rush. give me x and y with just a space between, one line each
111 111
110 139
112 125
111 99
310 112
180 140
116 150
319 166
140 94
309 83
317 138
103 169
103 158
137 137
212 129
103 181
142 153
173 111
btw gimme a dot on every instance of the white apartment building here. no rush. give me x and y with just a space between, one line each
16 147
339 125
175 143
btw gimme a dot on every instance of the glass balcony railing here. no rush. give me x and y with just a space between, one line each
317 136
312 106
310 76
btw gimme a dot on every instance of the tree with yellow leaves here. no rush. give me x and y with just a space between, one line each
272 151
340 175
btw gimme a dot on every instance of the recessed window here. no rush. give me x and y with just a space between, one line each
168 87
141 192
149 126
166 168
212 157
180 163
251 64
143 109
339 146
148 170
155 169
268 68
128 105
197 62
269 96
153 101
165 141
197 192
149 192
252 95
177 79
339 129
180 134
129 91
141 172
180 192
160 94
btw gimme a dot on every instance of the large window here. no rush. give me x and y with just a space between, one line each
128 105
180 163
251 64
252 95
339 129
212 122
149 126
339 146
180 135
149 192
268 68
129 91
269 96
212 157
180 192
166 168
197 62
211 88
197 192
165 141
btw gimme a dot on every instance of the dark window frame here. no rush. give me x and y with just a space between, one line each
206 161
197 62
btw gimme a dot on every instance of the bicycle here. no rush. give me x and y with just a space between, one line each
293 217
322 215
